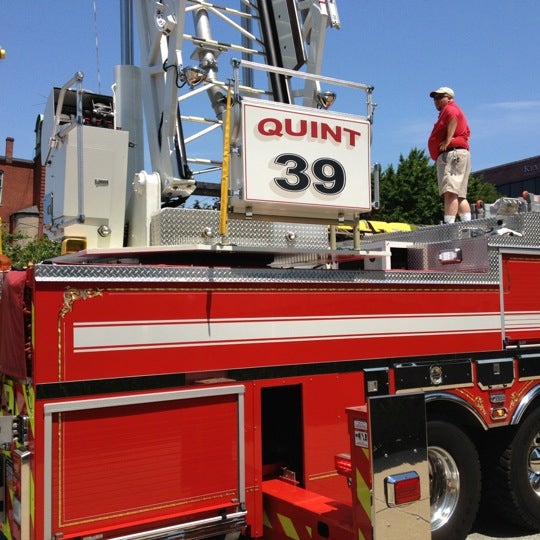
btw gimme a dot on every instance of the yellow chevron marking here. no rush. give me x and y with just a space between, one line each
362 493
9 396
309 531
29 399
288 527
32 498
266 521
6 531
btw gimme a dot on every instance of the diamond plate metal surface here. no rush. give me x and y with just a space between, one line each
177 226
479 241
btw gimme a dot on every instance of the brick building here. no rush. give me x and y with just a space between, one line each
513 178
22 182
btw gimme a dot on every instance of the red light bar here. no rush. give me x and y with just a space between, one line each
402 488
343 464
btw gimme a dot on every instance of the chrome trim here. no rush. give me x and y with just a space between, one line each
524 404
25 479
501 297
396 447
521 346
444 486
441 396
148 535
427 389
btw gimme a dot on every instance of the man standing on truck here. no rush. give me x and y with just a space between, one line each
448 146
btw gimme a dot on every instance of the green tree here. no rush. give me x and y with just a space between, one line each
410 193
23 252
478 190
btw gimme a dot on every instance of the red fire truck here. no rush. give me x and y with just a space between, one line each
239 371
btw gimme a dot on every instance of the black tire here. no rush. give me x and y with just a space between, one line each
455 481
515 476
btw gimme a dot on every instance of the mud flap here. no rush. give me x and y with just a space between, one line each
390 473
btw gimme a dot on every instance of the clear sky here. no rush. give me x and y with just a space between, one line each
486 50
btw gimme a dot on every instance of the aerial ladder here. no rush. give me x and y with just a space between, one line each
272 49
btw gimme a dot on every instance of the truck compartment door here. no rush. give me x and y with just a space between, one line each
168 460
520 298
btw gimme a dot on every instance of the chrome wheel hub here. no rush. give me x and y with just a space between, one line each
444 485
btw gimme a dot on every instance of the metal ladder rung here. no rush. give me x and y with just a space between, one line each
202 3
203 161
200 120
219 46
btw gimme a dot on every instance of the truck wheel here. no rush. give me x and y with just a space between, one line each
454 474
517 475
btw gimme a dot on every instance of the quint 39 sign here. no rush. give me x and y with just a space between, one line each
300 161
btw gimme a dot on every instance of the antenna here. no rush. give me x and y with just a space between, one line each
97 49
